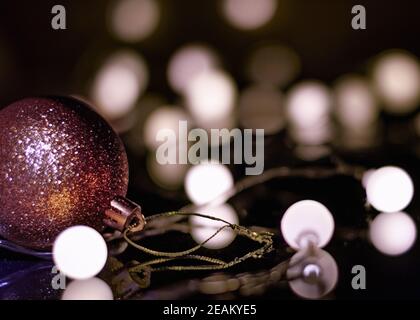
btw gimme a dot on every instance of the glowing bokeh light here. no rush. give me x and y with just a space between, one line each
393 233
261 108
355 103
167 176
202 228
396 78
313 135
119 83
389 189
134 20
89 289
306 222
308 104
206 181
80 252
274 65
188 62
210 97
165 117
249 14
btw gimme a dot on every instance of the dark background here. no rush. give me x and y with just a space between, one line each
34 59
43 60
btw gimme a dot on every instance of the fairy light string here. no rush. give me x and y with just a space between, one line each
171 221
340 168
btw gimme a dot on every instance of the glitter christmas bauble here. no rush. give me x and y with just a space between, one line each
60 165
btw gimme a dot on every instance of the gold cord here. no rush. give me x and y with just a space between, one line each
265 238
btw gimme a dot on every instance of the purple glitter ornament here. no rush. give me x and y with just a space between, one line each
61 164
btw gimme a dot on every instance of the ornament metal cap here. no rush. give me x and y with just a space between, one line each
124 214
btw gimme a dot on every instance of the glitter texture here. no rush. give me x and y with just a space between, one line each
60 165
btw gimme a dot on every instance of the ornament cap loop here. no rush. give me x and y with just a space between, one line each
124 214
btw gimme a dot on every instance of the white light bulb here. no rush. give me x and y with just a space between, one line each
89 289
393 233
187 63
80 252
389 189
307 222
203 228
206 181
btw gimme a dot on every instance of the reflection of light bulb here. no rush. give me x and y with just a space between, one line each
308 104
396 77
166 117
202 228
187 63
134 20
306 222
119 83
312 273
206 181
89 289
389 189
80 252
311 153
211 96
249 14
312 136
392 233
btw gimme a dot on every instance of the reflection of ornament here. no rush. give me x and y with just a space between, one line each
60 165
